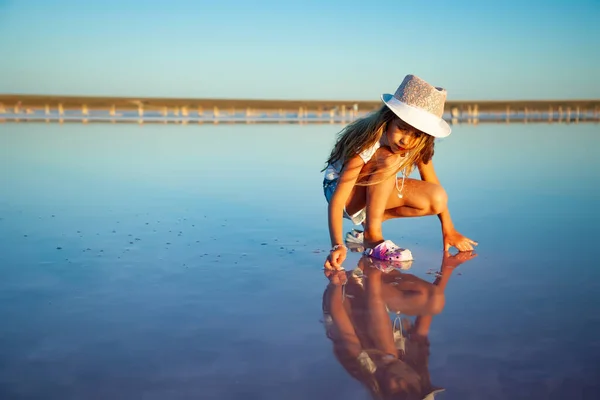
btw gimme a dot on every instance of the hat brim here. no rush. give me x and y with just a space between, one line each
417 117
431 395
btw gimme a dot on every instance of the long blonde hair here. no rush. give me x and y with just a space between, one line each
364 132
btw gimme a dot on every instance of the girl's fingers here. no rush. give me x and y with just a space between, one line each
335 262
329 263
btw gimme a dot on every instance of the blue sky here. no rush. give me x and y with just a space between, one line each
305 50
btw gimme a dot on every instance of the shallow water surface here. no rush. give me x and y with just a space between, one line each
186 262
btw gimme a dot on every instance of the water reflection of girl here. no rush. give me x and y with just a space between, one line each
390 358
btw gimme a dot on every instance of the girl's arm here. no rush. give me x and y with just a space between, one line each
449 263
450 235
337 203
346 335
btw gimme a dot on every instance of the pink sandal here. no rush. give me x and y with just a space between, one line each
388 251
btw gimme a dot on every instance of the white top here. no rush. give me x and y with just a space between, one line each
333 170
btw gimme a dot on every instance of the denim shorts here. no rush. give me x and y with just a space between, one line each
328 189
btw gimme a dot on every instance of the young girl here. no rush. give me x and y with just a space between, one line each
360 181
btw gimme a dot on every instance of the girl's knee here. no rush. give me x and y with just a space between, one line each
437 303
439 200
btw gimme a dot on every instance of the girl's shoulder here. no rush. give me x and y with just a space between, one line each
367 153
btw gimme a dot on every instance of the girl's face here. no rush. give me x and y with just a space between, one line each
400 136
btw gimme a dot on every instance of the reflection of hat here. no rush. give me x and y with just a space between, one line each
420 105
367 365
431 395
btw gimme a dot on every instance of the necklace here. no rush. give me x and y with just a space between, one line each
400 195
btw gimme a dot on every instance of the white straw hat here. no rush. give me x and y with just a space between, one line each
420 105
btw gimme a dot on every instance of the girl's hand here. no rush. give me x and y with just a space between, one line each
462 243
335 258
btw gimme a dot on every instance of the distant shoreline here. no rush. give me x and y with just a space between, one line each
72 102
129 109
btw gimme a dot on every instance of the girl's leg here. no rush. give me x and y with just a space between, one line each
376 204
419 198
374 198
